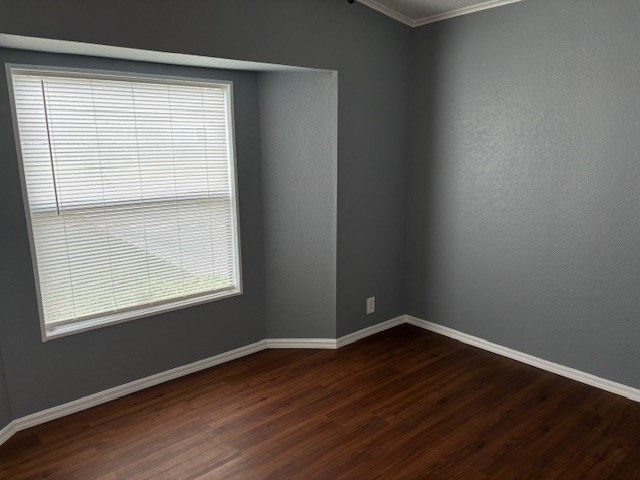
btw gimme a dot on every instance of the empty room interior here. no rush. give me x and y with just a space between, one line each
320 239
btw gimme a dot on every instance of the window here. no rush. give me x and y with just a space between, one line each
131 193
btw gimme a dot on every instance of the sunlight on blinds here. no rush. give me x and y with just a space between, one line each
131 190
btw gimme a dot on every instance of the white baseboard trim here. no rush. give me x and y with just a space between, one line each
365 332
318 343
331 343
99 398
122 390
7 432
568 372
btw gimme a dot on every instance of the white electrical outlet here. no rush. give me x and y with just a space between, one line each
371 305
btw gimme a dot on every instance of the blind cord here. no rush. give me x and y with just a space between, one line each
53 170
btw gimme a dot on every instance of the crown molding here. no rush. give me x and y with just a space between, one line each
389 12
419 22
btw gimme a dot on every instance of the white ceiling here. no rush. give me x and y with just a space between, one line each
421 12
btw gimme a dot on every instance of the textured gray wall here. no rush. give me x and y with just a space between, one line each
370 53
298 136
524 204
5 405
43 375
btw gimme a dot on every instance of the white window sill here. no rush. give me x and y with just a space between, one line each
51 332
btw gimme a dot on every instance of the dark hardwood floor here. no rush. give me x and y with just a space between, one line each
401 404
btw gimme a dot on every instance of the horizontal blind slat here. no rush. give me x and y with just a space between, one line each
130 191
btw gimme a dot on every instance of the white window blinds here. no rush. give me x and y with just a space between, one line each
131 192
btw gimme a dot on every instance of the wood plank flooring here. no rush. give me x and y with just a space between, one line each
403 404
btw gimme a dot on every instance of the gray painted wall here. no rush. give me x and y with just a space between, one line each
44 375
298 132
522 184
524 221
5 406
370 53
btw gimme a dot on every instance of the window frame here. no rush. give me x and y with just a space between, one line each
49 332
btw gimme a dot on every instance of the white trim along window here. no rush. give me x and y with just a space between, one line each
130 190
